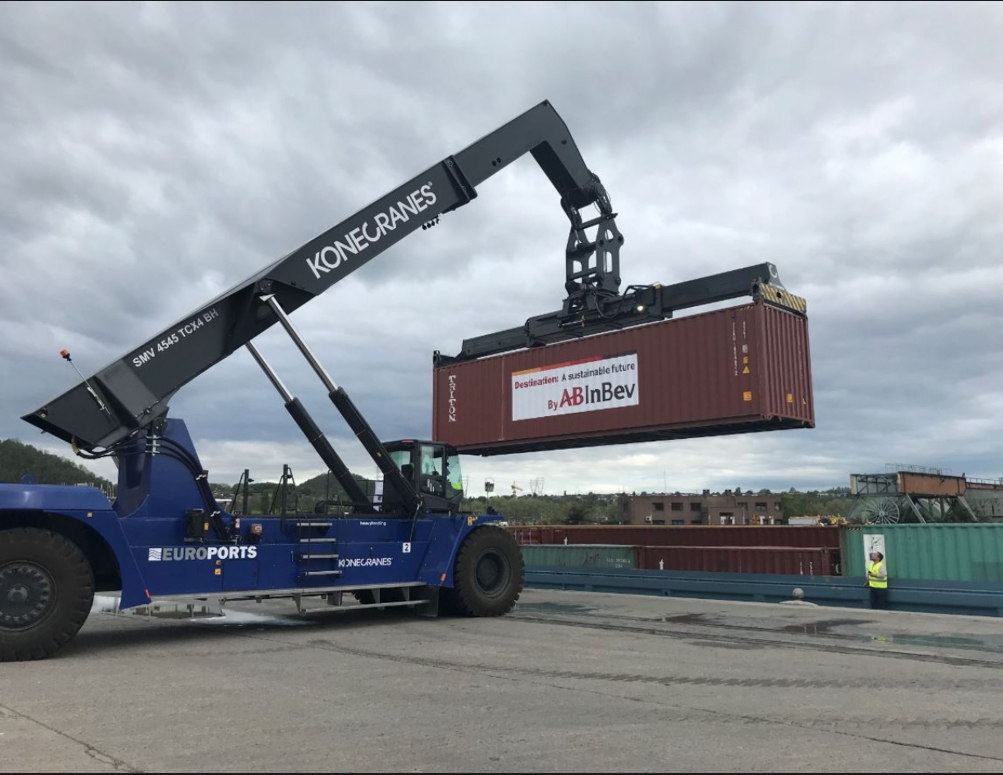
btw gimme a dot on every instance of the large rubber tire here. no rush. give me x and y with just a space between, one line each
46 592
488 575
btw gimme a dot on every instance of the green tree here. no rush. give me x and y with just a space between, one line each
576 514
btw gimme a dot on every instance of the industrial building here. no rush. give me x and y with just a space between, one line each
921 494
706 509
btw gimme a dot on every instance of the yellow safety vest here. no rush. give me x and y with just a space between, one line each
873 579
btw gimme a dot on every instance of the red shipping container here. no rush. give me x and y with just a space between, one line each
737 370
717 559
809 537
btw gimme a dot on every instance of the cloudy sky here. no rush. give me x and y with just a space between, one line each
153 155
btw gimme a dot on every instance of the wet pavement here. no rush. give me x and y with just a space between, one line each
882 629
569 681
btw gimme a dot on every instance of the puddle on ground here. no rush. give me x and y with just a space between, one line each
685 619
939 641
103 604
720 644
556 608
824 627
245 618
992 645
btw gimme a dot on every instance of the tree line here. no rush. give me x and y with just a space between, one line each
18 460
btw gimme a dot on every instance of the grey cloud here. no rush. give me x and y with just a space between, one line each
154 155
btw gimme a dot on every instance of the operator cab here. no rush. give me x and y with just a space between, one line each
432 468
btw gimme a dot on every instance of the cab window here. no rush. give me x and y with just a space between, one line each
431 460
454 475
401 458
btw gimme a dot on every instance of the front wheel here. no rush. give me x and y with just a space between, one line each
46 592
489 574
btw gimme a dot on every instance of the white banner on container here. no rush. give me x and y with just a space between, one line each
873 543
587 385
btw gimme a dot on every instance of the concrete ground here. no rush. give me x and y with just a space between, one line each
571 681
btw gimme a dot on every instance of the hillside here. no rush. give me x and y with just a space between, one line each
18 459
264 496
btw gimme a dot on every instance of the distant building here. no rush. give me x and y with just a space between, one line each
701 509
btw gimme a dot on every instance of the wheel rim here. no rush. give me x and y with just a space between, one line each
883 512
492 573
27 595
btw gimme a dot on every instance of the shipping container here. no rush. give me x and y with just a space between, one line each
581 556
814 537
737 559
736 370
932 552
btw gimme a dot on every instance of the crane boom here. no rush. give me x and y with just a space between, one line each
133 391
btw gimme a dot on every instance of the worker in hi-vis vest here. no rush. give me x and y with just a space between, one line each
877 580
